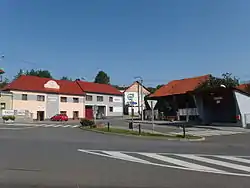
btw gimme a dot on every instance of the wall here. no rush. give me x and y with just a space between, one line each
70 106
31 104
133 91
7 99
243 102
52 105
117 103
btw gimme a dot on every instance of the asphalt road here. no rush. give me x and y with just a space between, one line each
50 157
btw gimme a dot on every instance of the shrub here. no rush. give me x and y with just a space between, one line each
5 118
87 123
12 118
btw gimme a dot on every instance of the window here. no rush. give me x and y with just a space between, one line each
110 99
24 97
3 105
89 98
99 98
110 109
40 98
75 100
63 99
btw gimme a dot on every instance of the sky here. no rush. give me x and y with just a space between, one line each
158 40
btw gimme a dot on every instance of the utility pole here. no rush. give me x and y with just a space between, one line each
142 100
140 95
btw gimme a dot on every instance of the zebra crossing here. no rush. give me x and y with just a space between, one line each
217 164
45 125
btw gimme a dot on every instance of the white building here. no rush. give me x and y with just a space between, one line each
134 98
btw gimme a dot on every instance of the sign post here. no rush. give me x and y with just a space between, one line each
152 104
95 112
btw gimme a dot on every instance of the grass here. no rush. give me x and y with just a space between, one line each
136 133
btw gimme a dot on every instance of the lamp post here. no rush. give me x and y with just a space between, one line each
140 95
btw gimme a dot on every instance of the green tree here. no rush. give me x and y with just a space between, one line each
228 80
19 74
102 78
32 72
4 83
66 78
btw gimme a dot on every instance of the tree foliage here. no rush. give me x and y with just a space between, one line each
32 72
102 78
228 80
66 78
4 83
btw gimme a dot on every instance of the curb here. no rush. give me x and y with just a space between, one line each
147 137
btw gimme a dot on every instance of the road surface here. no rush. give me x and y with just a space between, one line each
68 157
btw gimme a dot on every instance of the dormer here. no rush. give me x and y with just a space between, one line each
51 84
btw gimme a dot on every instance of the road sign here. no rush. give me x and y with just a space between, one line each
152 103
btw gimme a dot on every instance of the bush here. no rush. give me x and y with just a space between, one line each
6 118
87 123
12 118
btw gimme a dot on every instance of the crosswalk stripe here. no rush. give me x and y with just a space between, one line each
49 125
57 125
120 155
216 162
180 162
39 125
237 159
66 126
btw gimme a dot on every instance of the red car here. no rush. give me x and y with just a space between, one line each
59 117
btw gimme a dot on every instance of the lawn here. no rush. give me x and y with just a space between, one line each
136 133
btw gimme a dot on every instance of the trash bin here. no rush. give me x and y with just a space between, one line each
130 125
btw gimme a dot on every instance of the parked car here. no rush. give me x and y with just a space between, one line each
59 117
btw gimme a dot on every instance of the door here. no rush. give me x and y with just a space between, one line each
40 115
89 112
75 114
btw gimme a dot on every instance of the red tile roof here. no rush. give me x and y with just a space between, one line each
243 87
182 86
98 88
36 84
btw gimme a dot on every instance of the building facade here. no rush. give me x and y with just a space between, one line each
44 98
134 98
102 100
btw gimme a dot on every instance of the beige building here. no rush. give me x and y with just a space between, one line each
134 98
6 100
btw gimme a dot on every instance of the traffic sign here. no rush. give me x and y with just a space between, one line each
152 103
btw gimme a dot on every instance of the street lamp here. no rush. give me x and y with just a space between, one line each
140 95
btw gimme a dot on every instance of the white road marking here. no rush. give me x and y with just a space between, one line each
103 154
216 162
57 125
237 159
74 126
180 162
66 126
48 125
120 155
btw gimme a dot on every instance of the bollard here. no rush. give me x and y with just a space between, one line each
130 125
108 126
139 129
184 130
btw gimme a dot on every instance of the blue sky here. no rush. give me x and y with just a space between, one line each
160 40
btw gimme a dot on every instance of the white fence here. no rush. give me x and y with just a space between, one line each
20 113
188 111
